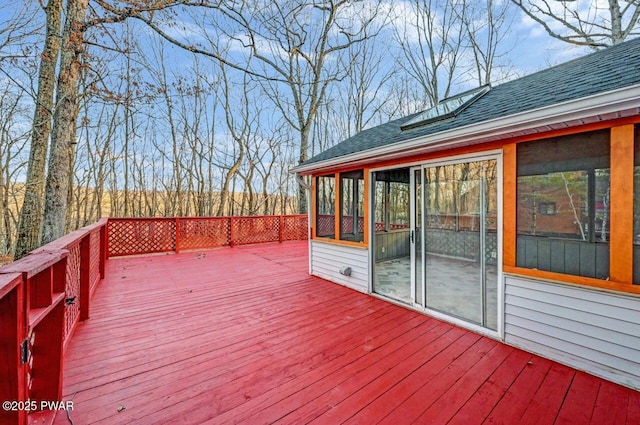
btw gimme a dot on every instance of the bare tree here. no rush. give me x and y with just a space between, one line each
63 138
238 124
364 92
18 24
32 213
12 164
295 48
598 25
430 35
487 25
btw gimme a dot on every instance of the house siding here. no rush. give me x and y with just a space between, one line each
590 330
327 259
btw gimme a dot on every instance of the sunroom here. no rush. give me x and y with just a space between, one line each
513 211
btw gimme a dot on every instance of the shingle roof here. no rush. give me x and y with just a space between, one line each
603 71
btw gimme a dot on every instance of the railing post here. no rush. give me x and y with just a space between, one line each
177 235
12 333
85 276
104 247
231 235
281 228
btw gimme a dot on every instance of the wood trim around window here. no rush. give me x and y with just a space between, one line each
314 212
509 202
621 207
571 279
366 226
337 215
337 207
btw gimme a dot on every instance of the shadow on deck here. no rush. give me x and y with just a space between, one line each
245 335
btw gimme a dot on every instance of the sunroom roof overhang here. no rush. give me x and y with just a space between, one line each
605 106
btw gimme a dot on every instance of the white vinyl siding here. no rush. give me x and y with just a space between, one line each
327 259
590 330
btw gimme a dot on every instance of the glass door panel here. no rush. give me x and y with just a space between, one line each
460 243
417 284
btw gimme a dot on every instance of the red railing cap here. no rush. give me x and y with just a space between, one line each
63 242
8 282
98 224
35 262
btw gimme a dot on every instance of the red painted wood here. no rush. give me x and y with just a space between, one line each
361 396
454 396
634 407
518 396
41 289
85 278
436 380
177 235
59 275
545 404
487 395
12 385
612 405
323 379
578 405
104 248
47 355
244 335
34 263
313 402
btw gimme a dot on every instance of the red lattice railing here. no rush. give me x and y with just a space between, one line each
95 260
131 236
201 232
326 224
294 227
72 290
42 298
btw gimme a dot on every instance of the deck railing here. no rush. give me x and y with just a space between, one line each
130 236
44 295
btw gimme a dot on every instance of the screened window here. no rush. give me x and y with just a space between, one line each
563 216
325 206
391 200
352 206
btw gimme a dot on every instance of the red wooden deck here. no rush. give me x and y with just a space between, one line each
245 335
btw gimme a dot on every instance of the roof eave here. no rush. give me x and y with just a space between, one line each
572 112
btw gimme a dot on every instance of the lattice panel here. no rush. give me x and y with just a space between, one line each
72 311
392 226
94 266
141 236
249 230
396 226
295 228
347 224
196 233
325 225
31 338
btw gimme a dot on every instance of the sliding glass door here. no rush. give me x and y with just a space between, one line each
454 246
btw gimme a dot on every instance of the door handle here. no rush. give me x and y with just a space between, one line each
412 236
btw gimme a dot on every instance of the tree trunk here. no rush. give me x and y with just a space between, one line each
32 213
304 155
64 123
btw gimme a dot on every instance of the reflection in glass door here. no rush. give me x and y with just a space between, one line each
459 229
417 285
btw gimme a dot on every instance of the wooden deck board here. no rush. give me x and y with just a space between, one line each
245 335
